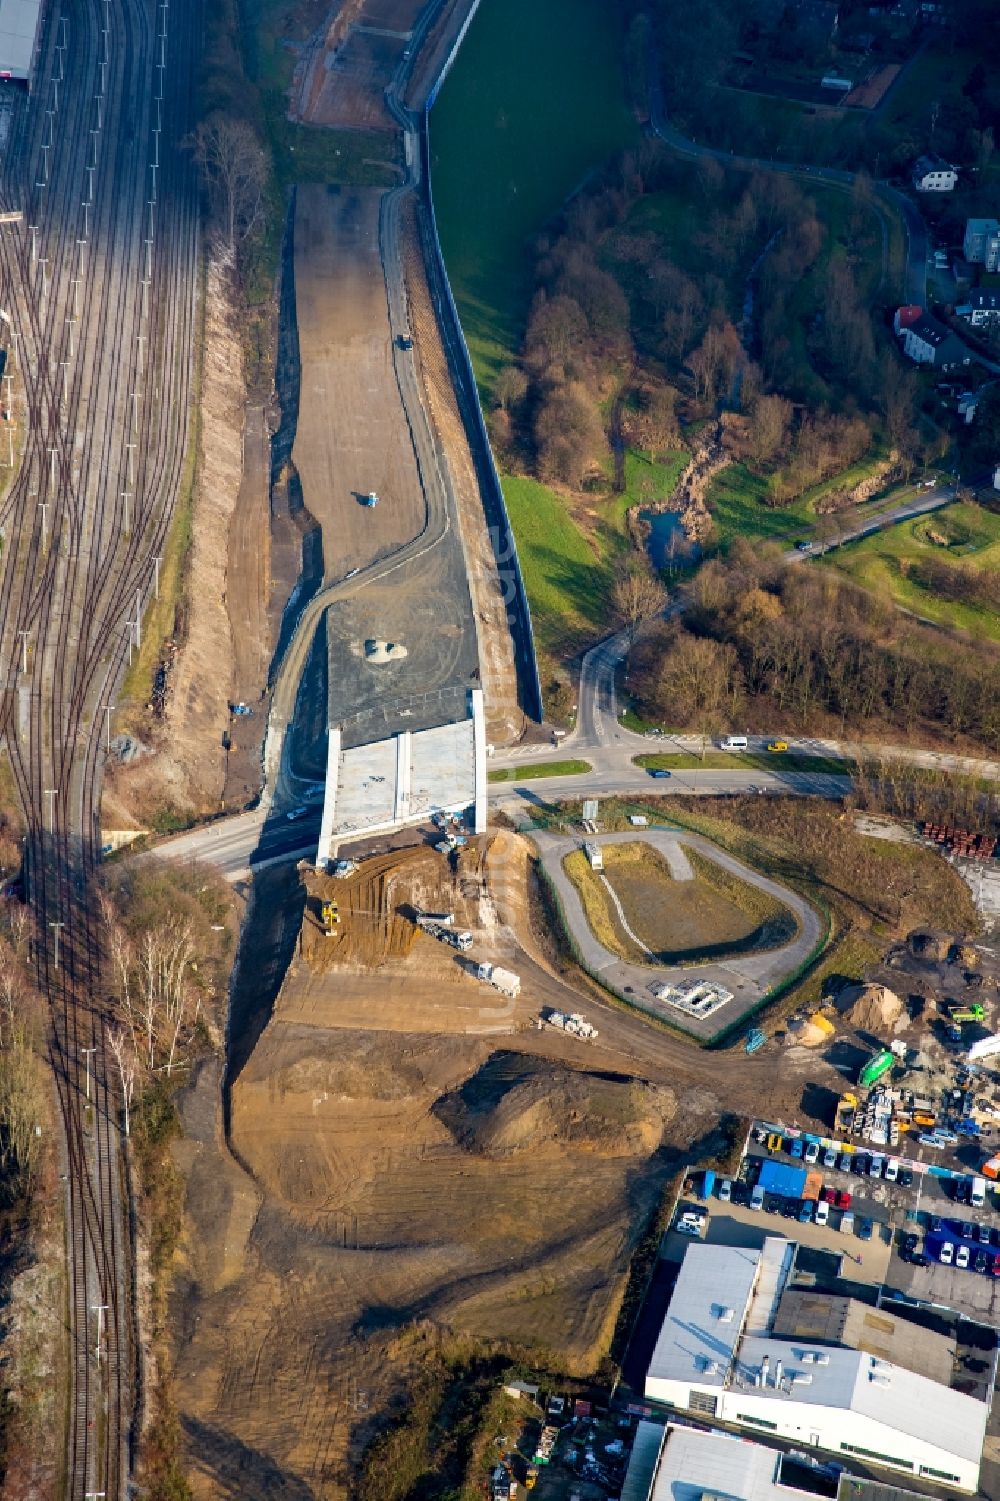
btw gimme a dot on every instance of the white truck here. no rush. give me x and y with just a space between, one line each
503 980
573 1023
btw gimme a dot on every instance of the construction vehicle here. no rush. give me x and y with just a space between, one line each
330 914
573 1023
503 980
446 919
844 1118
531 1478
873 1070
371 499
343 869
971 1013
755 1040
455 940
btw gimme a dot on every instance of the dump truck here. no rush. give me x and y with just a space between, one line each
503 980
844 1119
873 1070
973 1013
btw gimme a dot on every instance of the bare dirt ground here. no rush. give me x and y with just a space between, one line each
352 434
412 1147
248 591
504 717
188 767
343 78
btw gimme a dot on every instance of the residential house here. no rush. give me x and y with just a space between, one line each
982 243
981 309
932 174
967 405
821 17
928 342
904 317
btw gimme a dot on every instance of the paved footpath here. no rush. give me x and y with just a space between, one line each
748 976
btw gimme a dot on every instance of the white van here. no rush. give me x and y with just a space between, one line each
734 742
977 1197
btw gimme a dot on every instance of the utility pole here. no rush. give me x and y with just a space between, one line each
156 577
24 651
44 510
33 231
136 398
128 627
130 450
126 495
53 793
53 454
71 322
100 1309
64 366
109 709
88 1053
138 621
56 927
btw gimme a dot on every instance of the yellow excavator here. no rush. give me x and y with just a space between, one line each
330 914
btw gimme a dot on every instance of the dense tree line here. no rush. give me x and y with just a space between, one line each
796 647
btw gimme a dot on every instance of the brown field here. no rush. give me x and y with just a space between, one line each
409 1146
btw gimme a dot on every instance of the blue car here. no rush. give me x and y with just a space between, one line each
806 1212
797 1147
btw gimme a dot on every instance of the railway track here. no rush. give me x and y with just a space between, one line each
98 284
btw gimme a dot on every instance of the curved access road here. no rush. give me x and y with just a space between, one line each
915 287
748 976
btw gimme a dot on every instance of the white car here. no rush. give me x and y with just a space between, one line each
830 1158
822 1212
891 1170
757 1198
947 1255
812 1151
690 1224
725 1190
962 1257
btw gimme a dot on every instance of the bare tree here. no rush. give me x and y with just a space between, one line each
234 167
122 1046
510 387
637 593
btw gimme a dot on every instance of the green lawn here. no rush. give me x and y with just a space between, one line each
536 100
879 563
541 769
713 760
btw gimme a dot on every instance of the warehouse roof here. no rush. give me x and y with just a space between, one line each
694 1465
19 22
705 1318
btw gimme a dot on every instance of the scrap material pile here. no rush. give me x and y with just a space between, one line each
961 841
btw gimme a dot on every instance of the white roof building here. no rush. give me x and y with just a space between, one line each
20 25
716 1356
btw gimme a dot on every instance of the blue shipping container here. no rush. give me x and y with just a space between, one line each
782 1178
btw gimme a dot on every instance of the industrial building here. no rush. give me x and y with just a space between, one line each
829 1374
20 33
678 1463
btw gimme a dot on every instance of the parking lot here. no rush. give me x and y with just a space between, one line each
915 1234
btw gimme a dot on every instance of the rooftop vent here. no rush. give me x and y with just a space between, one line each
724 1314
802 1378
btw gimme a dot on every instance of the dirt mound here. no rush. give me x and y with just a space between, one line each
931 946
870 1007
344 1066
808 1031
509 1106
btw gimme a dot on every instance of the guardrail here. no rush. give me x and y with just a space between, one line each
501 531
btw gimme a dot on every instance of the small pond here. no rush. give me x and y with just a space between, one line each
666 542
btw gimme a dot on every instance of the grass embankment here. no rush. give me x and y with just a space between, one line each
539 769
746 761
535 102
969 537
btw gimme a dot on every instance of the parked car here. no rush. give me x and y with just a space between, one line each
967 1229
296 813
811 1152
931 1139
757 1198
907 1245
806 1212
725 1190
690 1223
843 1199
876 1165
658 773
830 1159
847 1223
905 1177
829 1194
845 1161
822 1212
983 1234
860 1162
891 1169
805 546
946 1138
946 1255
790 1209
797 1147
983 1262
935 1224
865 1228
920 1258
962 1257
777 745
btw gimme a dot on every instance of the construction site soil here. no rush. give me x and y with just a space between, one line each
406 1144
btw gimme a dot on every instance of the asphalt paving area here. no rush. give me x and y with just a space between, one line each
352 436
